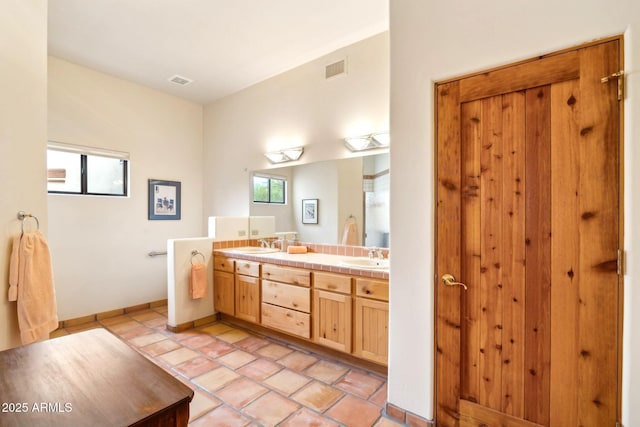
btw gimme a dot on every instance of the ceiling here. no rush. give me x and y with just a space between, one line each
222 45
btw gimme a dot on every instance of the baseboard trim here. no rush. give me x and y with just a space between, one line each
405 417
111 313
193 324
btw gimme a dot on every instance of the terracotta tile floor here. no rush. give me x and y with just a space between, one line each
242 379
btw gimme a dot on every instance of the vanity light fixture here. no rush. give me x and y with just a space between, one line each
368 142
286 155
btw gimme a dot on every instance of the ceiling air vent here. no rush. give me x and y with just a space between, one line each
179 80
335 69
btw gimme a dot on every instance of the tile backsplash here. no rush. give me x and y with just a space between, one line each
311 247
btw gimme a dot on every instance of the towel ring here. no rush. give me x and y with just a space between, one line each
195 253
22 216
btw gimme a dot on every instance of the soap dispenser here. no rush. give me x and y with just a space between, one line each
286 239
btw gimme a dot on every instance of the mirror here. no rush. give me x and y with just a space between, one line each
352 200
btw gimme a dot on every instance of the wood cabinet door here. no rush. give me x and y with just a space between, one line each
528 218
224 292
332 320
371 331
248 298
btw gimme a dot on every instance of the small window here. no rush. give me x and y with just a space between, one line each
268 189
82 170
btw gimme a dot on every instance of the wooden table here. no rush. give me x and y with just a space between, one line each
88 379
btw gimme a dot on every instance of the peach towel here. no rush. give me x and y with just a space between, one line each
350 233
296 249
198 282
31 286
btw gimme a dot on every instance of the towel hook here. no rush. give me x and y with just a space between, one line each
22 216
195 253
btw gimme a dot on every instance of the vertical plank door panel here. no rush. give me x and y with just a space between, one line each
599 204
565 251
491 253
448 254
538 253
471 142
513 266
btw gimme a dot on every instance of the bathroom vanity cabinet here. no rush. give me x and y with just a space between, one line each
344 312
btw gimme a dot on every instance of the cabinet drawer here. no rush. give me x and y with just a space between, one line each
372 288
290 321
297 276
332 282
248 268
222 263
288 296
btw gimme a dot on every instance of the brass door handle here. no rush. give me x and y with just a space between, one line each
449 280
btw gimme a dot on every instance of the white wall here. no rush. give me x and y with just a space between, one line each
100 244
23 133
298 107
431 41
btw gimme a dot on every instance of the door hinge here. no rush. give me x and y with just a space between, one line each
621 263
619 76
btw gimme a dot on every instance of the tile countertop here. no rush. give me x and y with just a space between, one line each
309 260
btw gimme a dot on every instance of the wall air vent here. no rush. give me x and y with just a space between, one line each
335 69
179 80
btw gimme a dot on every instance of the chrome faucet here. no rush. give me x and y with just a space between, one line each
280 243
263 243
377 253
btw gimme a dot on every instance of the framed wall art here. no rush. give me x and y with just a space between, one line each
309 211
164 199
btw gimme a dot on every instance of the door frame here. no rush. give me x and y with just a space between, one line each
436 283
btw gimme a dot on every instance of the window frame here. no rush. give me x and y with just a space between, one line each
270 178
83 153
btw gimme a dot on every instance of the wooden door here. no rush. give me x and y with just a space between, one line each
528 218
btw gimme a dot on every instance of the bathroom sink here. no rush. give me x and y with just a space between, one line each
254 250
362 262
